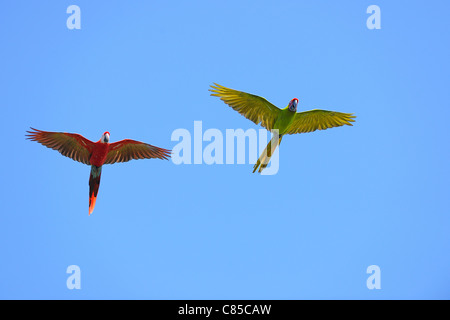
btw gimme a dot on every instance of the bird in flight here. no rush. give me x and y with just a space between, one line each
96 154
286 121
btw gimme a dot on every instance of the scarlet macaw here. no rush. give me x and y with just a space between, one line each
287 120
96 154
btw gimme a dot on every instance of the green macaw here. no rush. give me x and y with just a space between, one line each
286 121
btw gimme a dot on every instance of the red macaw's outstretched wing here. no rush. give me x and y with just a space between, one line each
126 150
70 145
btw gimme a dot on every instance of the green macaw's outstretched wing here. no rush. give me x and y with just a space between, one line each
313 120
254 108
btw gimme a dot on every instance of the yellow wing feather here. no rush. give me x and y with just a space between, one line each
253 107
313 120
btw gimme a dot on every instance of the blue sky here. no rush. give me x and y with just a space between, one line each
343 199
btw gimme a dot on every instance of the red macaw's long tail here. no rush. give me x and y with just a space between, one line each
264 158
94 184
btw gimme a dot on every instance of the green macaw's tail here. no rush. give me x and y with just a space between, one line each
264 159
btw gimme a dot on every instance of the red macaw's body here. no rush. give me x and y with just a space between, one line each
97 153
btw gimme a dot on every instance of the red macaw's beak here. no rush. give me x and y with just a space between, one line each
105 137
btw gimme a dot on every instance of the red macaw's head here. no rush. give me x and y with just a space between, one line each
105 137
293 105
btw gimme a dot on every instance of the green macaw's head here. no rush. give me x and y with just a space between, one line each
293 105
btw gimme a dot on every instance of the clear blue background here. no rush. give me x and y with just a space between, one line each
344 199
